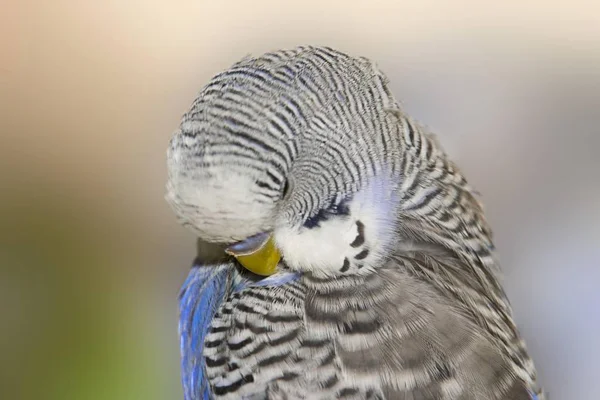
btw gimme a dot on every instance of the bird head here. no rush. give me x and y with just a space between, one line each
284 155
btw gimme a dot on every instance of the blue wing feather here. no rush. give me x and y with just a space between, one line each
201 295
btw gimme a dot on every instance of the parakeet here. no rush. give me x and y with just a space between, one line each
342 254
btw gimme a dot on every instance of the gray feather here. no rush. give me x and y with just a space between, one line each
283 142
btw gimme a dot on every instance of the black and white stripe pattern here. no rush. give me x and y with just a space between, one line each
386 335
310 127
289 115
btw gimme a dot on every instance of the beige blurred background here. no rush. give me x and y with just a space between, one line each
91 258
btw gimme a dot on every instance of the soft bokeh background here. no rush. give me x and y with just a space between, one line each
91 258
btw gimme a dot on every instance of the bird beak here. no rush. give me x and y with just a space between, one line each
257 254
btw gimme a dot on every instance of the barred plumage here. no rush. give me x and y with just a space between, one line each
398 296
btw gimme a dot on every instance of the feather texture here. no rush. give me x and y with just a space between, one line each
386 335
393 289
201 296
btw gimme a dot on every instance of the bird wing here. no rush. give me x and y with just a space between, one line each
382 335
200 297
399 335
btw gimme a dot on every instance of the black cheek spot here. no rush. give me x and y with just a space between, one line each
360 237
346 265
362 255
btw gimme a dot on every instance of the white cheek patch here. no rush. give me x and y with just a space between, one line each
340 244
321 248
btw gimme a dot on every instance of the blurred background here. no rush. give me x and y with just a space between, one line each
91 258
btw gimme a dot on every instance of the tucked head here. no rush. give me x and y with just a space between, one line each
288 147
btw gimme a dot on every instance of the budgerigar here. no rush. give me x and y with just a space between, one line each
343 255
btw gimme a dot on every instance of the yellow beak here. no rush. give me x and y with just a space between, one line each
257 254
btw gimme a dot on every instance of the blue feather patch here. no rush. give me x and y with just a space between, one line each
202 293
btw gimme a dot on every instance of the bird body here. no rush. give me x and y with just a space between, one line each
387 286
